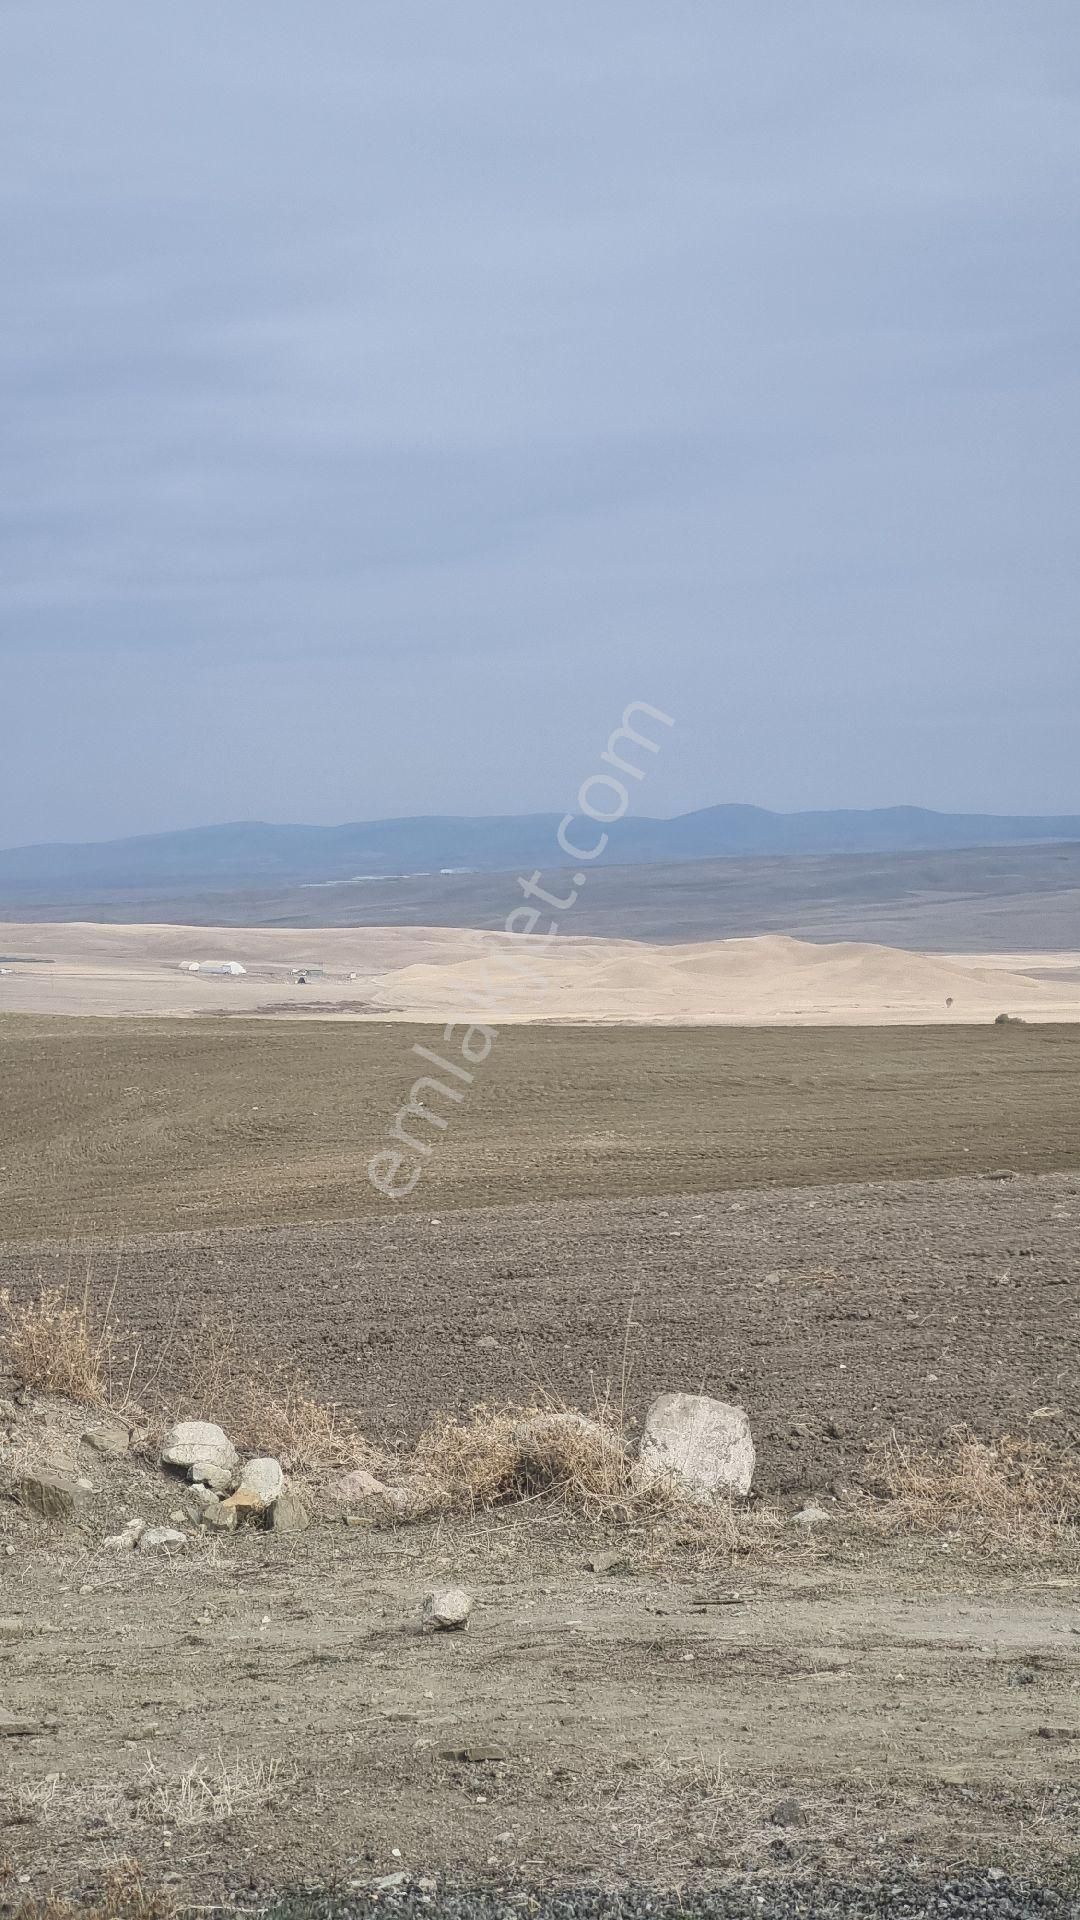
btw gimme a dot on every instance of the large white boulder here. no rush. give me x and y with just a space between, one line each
697 1443
198 1440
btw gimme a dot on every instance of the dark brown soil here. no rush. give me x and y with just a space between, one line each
837 1316
121 1126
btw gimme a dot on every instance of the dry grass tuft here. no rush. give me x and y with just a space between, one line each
51 1344
55 1345
205 1793
502 1454
125 1895
262 1409
1008 1492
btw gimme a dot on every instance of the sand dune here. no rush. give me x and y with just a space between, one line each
771 979
443 974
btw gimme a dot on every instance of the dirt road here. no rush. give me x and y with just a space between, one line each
636 1723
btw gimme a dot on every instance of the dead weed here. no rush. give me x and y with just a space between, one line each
51 1344
1012 1492
125 1894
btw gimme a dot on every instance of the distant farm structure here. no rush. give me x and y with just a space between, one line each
231 967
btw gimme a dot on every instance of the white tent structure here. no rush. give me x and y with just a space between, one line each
212 966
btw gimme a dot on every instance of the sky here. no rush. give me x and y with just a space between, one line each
393 392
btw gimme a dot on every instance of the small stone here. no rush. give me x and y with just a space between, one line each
200 1497
446 1610
289 1514
221 1516
359 1484
118 1543
163 1539
52 1496
109 1437
810 1516
608 1561
263 1479
389 1881
245 1503
204 1473
487 1343
788 1813
192 1440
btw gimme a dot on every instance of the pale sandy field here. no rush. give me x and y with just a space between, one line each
424 973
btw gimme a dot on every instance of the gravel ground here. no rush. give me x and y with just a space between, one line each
975 1898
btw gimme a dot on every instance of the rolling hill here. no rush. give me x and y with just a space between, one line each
255 854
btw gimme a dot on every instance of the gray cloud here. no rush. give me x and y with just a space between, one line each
394 392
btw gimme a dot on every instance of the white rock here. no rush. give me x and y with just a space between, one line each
446 1610
168 1539
205 1473
192 1440
119 1542
264 1479
701 1444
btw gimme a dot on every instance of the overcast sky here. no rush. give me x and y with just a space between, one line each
394 391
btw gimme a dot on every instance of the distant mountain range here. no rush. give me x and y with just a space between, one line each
252 854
